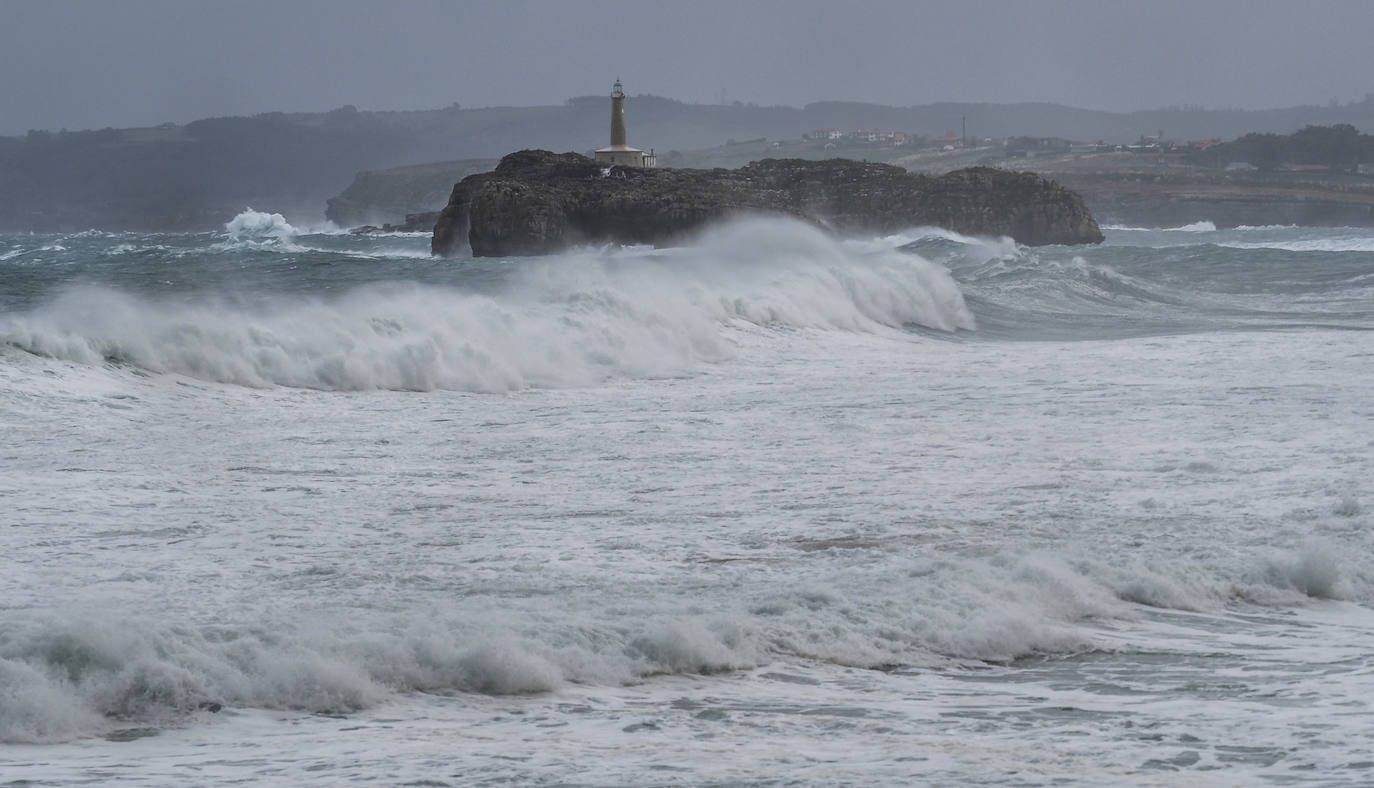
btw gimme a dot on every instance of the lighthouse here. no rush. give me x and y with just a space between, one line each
619 152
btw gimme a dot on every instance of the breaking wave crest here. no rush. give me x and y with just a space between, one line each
1203 226
569 320
257 225
1350 243
70 674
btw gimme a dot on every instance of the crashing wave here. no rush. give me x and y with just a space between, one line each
1203 226
66 674
1365 244
256 225
570 320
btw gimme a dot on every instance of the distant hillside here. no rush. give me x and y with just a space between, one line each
387 196
199 175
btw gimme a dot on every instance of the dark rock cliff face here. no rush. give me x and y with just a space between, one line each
537 202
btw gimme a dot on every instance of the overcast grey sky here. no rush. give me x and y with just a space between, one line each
94 63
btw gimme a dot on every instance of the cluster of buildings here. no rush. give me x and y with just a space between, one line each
863 135
620 153
891 139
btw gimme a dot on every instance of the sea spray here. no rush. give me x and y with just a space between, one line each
257 225
831 534
572 320
66 671
135 668
1203 226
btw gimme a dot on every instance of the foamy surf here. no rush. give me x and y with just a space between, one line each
1203 226
256 224
68 674
1118 531
1345 244
570 320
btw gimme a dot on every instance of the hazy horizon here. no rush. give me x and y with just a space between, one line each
82 64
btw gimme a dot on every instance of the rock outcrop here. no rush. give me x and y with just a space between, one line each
415 223
537 202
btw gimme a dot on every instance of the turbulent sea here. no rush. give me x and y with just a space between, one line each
304 508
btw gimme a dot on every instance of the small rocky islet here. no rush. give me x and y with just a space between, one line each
538 202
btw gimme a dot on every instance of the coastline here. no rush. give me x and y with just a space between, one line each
1163 190
1125 189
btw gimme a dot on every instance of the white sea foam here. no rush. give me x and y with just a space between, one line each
68 674
65 673
1338 244
1314 571
568 321
256 224
255 230
1203 226
1000 559
1000 246
373 254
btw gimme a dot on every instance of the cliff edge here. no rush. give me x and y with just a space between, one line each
537 202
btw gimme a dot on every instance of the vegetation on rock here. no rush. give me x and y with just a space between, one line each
1339 147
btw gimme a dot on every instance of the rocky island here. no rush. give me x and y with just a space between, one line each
538 202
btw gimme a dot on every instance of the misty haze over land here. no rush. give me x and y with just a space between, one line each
153 114
87 64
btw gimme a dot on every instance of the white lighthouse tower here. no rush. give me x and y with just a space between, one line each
618 152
